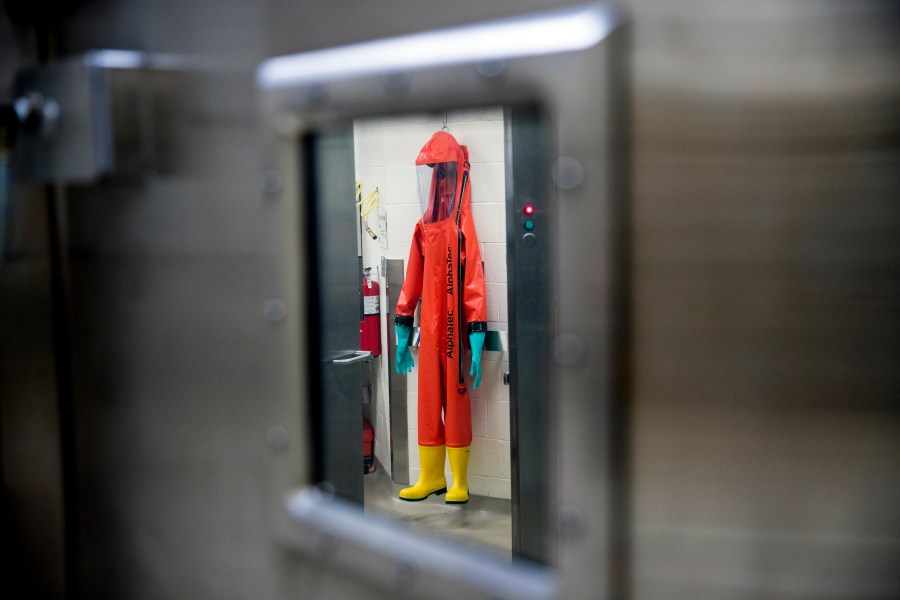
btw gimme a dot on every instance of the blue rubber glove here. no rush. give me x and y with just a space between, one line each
476 342
404 363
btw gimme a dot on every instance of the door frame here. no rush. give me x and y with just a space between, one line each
568 62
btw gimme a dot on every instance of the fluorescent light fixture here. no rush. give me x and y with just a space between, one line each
132 59
115 59
553 32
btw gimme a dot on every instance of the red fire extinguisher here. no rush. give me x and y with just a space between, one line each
370 328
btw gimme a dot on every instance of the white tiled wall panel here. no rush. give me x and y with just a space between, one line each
494 263
487 223
497 420
492 182
479 416
493 291
486 458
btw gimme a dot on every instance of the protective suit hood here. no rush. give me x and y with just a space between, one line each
440 171
442 147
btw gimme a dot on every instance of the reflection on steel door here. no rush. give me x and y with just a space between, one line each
335 291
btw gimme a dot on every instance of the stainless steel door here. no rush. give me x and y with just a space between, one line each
336 314
529 248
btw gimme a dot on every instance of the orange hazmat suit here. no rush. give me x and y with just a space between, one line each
444 270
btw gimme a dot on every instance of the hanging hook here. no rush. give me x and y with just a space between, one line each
445 127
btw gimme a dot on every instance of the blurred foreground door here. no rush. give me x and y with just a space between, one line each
336 313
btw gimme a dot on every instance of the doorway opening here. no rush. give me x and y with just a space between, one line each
385 152
361 224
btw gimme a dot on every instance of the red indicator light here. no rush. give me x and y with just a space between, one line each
529 209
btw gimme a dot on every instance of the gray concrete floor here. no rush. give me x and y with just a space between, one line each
484 523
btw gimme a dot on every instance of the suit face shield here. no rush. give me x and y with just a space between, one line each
437 190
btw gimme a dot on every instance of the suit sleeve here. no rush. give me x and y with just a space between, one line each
412 284
474 295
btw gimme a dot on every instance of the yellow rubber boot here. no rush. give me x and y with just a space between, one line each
459 466
431 475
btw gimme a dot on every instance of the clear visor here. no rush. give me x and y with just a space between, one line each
437 190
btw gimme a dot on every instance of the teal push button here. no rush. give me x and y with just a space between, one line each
529 224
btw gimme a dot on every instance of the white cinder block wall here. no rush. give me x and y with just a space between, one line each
386 150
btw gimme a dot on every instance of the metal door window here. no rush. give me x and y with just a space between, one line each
553 61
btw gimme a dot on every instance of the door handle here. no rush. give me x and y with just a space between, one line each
357 357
